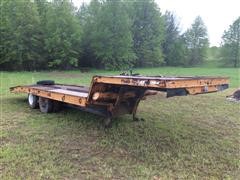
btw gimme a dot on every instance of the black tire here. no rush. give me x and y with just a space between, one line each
57 106
33 101
46 82
46 105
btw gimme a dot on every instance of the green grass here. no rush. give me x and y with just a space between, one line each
193 137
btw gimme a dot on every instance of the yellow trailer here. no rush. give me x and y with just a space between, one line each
111 96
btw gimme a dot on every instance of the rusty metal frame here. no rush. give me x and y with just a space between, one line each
75 100
119 86
194 85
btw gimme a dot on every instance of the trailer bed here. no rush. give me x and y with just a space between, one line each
116 95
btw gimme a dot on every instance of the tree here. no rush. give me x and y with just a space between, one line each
42 8
213 54
88 16
173 46
148 33
196 40
63 35
111 40
230 48
19 35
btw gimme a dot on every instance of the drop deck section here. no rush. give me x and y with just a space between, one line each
111 96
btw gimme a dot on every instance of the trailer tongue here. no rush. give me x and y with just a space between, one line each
112 96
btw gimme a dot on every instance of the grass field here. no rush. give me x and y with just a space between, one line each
192 137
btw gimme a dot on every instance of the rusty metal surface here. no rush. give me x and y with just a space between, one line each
69 92
56 87
165 77
66 96
161 82
117 95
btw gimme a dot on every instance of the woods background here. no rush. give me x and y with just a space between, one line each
106 34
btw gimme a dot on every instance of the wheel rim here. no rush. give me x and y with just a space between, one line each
30 99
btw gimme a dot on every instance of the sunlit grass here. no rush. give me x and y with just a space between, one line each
193 137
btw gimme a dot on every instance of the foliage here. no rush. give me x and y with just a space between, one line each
148 33
196 40
107 34
230 49
173 46
112 36
20 42
63 35
35 35
88 18
213 52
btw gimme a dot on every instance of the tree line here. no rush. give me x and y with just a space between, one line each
107 34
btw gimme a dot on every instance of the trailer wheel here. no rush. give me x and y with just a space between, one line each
45 104
57 106
33 101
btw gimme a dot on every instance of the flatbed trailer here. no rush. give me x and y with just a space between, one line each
111 96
